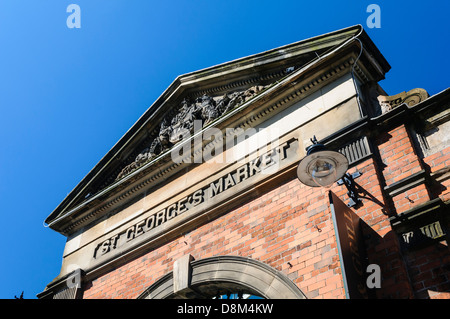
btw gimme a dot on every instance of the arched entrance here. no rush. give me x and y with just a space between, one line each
222 275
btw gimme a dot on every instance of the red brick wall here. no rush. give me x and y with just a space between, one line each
397 153
290 229
427 269
381 242
430 266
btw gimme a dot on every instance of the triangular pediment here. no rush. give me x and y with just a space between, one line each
208 96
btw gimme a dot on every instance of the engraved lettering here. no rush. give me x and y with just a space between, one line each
282 150
140 228
229 181
160 217
197 198
267 160
150 222
114 240
104 248
220 185
171 212
215 189
130 233
182 205
242 173
253 166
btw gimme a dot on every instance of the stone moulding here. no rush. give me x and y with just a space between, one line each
423 224
248 275
68 287
406 183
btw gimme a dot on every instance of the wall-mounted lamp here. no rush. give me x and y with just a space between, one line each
321 167
348 181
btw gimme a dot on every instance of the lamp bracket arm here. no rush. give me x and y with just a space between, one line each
348 181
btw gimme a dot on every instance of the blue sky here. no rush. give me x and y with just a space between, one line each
68 95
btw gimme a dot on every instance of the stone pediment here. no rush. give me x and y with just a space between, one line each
223 93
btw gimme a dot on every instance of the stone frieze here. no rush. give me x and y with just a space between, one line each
174 129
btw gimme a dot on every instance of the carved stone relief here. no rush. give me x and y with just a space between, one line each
410 98
173 129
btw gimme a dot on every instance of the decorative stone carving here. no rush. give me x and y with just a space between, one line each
209 110
172 130
183 121
411 98
164 136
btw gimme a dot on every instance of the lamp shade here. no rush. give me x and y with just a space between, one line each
321 168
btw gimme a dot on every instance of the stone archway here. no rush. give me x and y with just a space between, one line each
209 277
